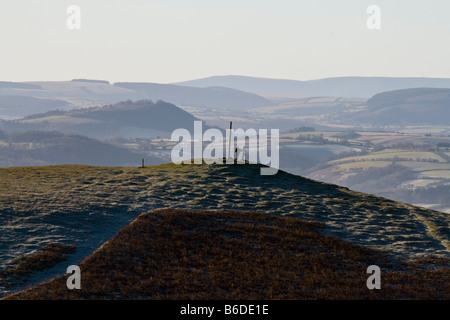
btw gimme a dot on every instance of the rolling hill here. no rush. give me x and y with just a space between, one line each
415 106
33 148
124 119
21 99
85 206
348 87
214 97
159 116
5 85
21 106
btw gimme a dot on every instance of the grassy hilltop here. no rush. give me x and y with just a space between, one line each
85 206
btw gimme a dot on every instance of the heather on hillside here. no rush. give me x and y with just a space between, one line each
183 254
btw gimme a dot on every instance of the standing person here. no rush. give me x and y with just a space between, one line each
238 151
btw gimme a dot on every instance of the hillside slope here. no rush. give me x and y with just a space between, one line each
349 87
183 254
86 205
32 148
20 106
214 97
143 118
19 99
416 106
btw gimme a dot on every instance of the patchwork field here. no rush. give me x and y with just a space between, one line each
428 167
395 155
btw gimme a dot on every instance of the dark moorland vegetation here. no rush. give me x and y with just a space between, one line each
46 257
182 254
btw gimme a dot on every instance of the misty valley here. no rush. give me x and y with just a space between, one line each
372 171
393 144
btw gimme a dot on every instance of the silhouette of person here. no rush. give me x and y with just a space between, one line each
238 151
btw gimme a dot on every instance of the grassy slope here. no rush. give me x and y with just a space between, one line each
181 254
85 206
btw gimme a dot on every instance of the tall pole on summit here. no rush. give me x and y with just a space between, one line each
229 140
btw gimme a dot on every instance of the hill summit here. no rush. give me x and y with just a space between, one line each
86 205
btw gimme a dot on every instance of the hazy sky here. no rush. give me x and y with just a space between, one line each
175 40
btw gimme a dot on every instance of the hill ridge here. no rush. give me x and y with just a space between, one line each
345 86
86 205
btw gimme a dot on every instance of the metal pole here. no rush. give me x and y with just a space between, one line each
229 140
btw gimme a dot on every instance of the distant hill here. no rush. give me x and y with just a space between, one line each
144 114
350 87
90 80
20 106
213 96
18 85
81 93
416 106
20 99
99 91
50 148
124 119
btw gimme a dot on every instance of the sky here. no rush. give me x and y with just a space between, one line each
176 40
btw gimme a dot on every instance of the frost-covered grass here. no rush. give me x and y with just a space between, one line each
86 206
183 254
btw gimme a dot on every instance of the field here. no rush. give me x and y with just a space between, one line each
395 155
429 167
85 206
308 108
328 135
